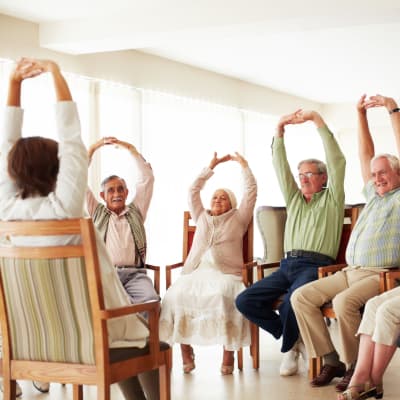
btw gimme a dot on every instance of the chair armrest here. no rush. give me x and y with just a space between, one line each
153 309
262 267
329 270
156 275
168 273
392 278
248 272
149 306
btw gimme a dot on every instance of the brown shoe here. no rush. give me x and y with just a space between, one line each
344 382
328 372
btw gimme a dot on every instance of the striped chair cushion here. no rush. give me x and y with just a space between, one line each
49 299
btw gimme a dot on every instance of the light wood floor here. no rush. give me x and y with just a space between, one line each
205 382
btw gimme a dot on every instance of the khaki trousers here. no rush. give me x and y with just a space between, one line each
348 290
381 318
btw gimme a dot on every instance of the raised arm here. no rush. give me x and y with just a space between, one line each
393 110
366 149
100 143
25 68
145 179
246 207
287 181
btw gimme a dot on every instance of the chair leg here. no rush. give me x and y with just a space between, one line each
169 358
240 359
77 392
255 345
165 382
103 391
315 365
9 389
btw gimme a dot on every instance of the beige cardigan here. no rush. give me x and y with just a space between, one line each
222 233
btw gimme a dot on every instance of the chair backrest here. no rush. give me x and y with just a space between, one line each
48 295
351 213
271 224
189 228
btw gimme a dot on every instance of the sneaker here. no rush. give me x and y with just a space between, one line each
302 350
18 391
289 364
43 387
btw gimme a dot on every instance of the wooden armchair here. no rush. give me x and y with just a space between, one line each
156 275
247 275
53 318
271 223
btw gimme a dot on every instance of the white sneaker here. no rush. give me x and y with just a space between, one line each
303 352
289 364
18 391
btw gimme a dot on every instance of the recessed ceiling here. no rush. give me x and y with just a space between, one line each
324 51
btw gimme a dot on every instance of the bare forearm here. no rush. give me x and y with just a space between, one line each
366 148
14 93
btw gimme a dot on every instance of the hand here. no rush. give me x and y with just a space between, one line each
380 101
127 145
240 159
215 160
298 117
42 65
361 104
101 142
25 68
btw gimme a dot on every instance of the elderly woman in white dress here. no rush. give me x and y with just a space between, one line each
199 308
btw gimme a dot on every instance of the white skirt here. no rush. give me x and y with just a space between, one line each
199 309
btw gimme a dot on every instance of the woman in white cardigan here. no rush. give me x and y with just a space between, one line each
199 308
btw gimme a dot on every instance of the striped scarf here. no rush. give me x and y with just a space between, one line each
101 218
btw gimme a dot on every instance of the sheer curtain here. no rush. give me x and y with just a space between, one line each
179 139
178 136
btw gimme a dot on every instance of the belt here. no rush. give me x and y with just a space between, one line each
128 266
309 254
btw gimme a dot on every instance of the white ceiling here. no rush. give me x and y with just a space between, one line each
327 51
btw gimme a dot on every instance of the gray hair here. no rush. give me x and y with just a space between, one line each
393 161
110 178
321 166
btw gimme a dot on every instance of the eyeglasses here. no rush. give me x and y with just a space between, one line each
308 174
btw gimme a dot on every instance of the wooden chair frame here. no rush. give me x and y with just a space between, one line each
105 371
247 276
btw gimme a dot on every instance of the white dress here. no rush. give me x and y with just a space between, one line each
199 309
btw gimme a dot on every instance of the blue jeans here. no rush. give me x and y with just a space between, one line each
255 302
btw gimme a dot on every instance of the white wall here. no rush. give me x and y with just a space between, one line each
20 38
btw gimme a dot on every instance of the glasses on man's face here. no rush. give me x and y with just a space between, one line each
308 174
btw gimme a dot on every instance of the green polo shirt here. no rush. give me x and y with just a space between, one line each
375 239
317 225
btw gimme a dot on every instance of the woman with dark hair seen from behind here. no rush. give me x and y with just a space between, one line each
43 179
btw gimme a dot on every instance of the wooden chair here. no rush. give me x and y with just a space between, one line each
155 274
247 275
271 223
53 318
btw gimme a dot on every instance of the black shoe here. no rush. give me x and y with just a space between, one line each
328 372
43 387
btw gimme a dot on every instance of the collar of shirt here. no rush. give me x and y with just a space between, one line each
126 209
